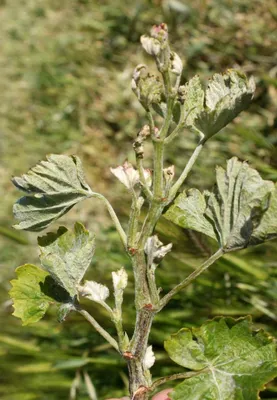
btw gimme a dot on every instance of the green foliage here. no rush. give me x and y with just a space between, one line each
53 187
233 361
67 255
240 212
32 293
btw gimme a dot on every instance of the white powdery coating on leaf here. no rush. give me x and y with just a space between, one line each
126 174
155 249
149 358
148 177
176 64
120 279
94 291
151 45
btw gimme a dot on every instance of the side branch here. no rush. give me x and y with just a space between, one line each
190 278
186 171
98 328
114 217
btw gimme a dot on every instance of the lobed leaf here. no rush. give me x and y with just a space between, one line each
212 109
32 293
240 212
52 188
234 362
67 255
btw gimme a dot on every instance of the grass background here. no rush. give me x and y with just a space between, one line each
65 87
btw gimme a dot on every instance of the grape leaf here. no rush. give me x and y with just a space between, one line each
32 293
240 212
211 109
67 255
234 362
52 188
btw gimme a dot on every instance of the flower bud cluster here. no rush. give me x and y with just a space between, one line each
138 143
157 46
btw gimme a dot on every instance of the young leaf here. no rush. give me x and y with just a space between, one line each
241 211
32 293
52 188
233 361
226 96
94 291
67 255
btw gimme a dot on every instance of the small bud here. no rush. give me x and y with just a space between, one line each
182 93
128 355
94 291
127 174
159 32
125 341
120 279
169 174
148 177
151 46
144 132
138 143
149 358
176 65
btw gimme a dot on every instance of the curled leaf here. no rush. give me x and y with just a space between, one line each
66 255
155 250
151 45
176 64
211 109
240 212
52 188
231 360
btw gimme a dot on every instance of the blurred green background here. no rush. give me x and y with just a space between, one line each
65 87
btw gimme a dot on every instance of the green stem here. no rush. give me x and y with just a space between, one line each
120 331
151 123
142 295
114 218
185 172
152 285
167 83
154 213
190 278
133 223
158 169
98 328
